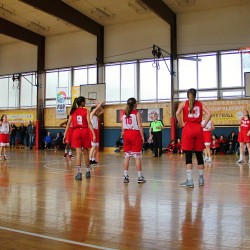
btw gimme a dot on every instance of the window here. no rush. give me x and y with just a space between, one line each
120 81
80 76
112 80
147 81
187 73
128 81
207 72
28 95
231 70
164 81
4 100
57 78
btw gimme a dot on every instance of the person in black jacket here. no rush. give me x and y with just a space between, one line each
231 142
13 135
22 131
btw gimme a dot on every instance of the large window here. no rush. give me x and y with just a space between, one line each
214 75
231 74
207 72
28 95
85 75
54 79
120 82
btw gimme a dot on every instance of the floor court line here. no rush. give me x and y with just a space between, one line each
55 238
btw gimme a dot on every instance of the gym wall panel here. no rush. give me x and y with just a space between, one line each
214 29
71 49
135 37
110 113
17 57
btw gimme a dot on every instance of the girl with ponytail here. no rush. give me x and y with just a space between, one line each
79 120
132 133
192 134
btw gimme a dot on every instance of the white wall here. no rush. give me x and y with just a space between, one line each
211 30
17 58
72 49
135 36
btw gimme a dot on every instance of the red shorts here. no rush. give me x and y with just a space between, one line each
242 137
4 139
81 138
192 137
132 141
69 135
96 136
207 136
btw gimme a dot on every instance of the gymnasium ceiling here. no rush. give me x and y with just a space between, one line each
114 12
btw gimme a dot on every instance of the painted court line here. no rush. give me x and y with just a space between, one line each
55 239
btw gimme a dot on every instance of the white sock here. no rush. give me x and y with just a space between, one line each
125 172
70 152
190 174
87 169
201 172
139 174
65 151
79 169
241 157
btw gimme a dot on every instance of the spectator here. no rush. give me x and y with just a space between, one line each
119 143
47 141
215 145
31 134
222 142
148 144
231 143
13 135
22 131
171 148
58 141
179 146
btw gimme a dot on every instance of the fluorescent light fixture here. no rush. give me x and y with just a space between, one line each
7 10
185 3
103 14
138 6
38 26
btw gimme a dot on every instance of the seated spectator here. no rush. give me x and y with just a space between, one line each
119 143
215 145
148 143
179 146
222 142
171 148
47 141
231 142
58 141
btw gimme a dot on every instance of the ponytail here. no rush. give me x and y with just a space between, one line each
78 102
191 95
130 106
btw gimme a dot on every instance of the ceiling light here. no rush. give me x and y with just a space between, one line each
185 3
38 26
103 14
138 6
7 10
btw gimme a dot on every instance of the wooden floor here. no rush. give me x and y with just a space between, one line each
43 207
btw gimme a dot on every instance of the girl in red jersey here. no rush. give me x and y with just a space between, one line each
244 134
191 134
5 130
132 133
80 120
67 139
207 136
